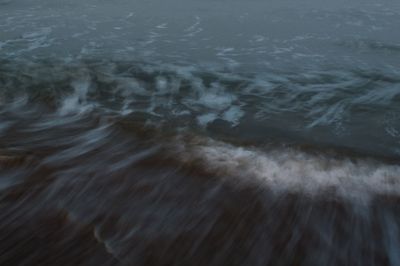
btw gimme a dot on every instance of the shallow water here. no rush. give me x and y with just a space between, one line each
199 133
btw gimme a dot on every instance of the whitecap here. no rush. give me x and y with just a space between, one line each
292 170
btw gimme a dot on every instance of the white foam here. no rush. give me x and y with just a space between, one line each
216 101
194 25
205 119
233 115
162 26
285 170
40 33
131 14
76 102
162 85
194 29
222 51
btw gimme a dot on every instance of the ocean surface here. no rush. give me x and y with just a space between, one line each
215 132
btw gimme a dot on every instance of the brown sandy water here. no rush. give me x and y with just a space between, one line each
96 190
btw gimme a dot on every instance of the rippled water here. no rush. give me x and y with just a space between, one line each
199 133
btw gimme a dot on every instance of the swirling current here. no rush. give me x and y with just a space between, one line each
130 135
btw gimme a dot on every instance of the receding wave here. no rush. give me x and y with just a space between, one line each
114 192
128 163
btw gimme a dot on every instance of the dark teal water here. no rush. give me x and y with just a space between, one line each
199 133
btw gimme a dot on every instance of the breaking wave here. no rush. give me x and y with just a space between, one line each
289 170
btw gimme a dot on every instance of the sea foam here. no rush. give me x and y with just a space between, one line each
292 170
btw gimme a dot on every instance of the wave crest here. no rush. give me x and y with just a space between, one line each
292 170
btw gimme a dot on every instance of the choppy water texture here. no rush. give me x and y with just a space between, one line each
199 132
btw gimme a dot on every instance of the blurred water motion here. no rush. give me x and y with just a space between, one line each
199 133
